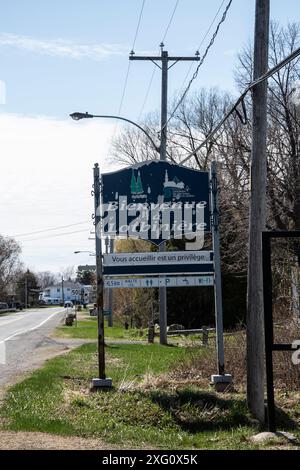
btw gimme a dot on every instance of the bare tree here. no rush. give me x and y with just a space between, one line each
68 273
10 264
132 146
46 279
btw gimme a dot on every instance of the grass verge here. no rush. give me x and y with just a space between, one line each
86 328
57 399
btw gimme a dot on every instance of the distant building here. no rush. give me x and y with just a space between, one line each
72 291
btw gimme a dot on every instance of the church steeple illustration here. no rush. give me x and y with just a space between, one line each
133 184
139 186
136 185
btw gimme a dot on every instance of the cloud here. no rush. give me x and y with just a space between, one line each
61 47
46 182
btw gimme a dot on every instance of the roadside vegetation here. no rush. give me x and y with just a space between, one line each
160 397
86 328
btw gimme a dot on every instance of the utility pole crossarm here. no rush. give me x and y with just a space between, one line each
175 59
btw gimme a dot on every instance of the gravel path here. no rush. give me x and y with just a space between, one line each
10 440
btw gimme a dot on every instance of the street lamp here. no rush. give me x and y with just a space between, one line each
78 116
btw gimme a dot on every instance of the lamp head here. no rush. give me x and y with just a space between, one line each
77 116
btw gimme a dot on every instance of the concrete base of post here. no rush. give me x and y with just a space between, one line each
101 383
222 383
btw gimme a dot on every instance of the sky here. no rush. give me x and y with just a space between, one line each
61 56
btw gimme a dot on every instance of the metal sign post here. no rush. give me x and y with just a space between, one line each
222 379
101 381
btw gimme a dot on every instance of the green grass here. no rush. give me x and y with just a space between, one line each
87 329
57 399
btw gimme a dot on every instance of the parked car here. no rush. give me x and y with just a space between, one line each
68 304
3 306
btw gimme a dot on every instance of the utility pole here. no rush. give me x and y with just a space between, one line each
257 219
62 290
26 289
101 381
164 59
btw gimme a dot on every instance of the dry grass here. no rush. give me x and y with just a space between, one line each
202 364
286 374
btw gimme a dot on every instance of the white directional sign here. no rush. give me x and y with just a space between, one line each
166 281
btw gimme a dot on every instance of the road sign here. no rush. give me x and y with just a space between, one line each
166 281
181 262
107 312
155 201
157 258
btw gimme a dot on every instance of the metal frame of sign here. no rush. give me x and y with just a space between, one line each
270 346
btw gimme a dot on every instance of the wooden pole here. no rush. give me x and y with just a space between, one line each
257 219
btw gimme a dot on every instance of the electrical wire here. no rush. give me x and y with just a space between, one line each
53 236
154 67
195 74
129 62
147 92
49 229
138 25
202 41
127 76
170 21
254 83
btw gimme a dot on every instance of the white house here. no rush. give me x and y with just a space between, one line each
67 291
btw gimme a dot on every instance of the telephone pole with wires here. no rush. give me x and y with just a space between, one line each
162 62
257 220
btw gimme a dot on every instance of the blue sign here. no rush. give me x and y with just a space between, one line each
155 201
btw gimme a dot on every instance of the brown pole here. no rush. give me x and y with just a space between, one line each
257 219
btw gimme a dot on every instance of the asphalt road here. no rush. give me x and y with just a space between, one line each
24 341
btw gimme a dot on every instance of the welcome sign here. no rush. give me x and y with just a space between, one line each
156 201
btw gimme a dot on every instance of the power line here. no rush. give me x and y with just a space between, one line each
211 24
203 39
195 74
53 236
154 67
127 73
49 229
170 21
259 80
129 63
147 92
138 25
